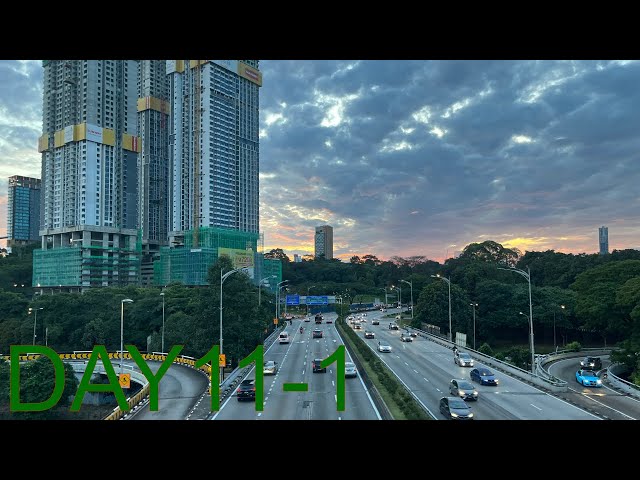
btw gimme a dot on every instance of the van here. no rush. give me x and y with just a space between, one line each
284 337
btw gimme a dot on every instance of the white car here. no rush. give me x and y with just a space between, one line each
284 337
350 369
463 359
270 368
384 347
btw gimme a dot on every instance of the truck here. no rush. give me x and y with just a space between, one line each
318 318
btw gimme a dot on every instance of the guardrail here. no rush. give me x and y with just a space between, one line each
550 384
544 360
620 383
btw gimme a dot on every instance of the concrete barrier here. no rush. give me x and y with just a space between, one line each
621 384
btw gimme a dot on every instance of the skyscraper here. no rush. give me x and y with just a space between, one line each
324 241
213 144
89 152
213 177
23 215
603 235
153 162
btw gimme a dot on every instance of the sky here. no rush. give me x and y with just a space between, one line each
421 157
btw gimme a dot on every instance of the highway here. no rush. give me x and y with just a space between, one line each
427 368
605 401
294 366
179 389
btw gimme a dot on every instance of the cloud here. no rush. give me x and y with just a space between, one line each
410 157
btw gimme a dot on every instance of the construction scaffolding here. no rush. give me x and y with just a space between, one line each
189 264
54 267
271 266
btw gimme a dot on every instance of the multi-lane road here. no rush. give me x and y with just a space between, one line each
604 400
426 368
294 366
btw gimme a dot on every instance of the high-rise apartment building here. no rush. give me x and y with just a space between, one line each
213 178
153 162
23 210
214 143
603 237
324 241
89 194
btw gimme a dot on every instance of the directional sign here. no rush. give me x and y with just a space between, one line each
125 380
317 300
222 360
293 299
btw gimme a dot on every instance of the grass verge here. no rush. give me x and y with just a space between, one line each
400 402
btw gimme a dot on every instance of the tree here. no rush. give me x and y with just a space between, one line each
490 251
355 260
277 253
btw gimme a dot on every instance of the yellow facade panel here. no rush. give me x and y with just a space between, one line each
180 66
142 104
109 137
58 138
131 143
252 74
43 143
80 132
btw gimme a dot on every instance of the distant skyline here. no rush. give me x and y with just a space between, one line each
420 157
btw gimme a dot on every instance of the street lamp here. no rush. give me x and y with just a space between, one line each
278 287
122 302
35 320
448 280
307 299
474 305
411 285
162 347
222 279
527 275
260 288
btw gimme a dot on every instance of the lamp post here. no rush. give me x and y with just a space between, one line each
474 305
35 320
411 285
527 275
162 346
222 279
448 280
122 302
260 288
307 299
278 287
386 301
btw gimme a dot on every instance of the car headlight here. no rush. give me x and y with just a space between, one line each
460 392
475 394
454 415
599 382
496 380
471 415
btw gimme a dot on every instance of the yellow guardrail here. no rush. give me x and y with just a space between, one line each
138 397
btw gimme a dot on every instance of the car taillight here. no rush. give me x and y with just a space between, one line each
253 389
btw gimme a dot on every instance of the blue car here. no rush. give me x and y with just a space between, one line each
483 376
588 378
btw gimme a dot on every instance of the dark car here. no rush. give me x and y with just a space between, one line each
316 366
375 322
247 390
483 376
463 389
328 320
591 363
406 337
455 408
317 333
369 334
393 326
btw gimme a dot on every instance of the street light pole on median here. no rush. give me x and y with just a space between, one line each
448 280
35 320
162 346
474 305
307 299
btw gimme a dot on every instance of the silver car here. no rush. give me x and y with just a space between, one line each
350 370
384 347
463 389
270 368
463 359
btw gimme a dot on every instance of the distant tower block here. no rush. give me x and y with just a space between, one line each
603 235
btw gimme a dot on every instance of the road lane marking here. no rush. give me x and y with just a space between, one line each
535 406
339 418
600 403
397 356
406 364
332 383
425 379
415 370
438 389
259 414
303 371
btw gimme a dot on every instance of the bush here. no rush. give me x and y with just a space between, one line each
573 346
499 356
486 349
